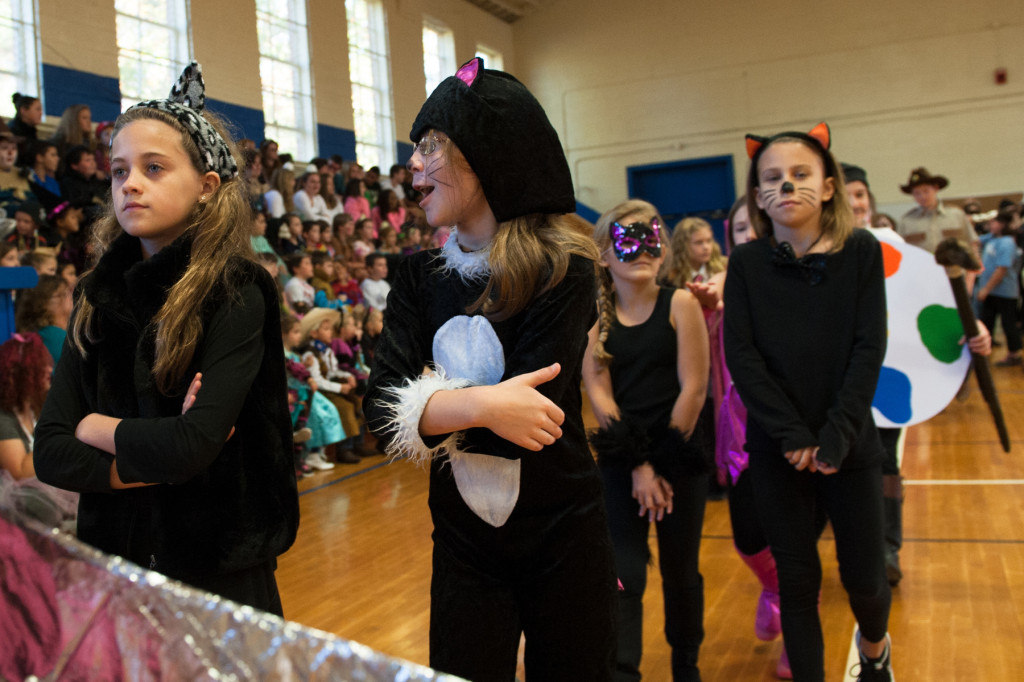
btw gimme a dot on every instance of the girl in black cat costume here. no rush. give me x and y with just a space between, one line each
478 372
805 333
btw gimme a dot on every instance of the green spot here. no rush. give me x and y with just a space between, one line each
941 331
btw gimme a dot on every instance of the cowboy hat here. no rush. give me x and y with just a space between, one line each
921 176
315 317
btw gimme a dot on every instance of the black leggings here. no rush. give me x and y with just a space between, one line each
788 502
1006 309
747 533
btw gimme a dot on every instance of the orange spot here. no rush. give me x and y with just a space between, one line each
891 258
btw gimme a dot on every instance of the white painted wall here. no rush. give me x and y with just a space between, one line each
902 84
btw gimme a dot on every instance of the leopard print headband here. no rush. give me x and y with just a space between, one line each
186 101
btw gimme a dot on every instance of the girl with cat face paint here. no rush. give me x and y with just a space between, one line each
646 372
804 336
499 315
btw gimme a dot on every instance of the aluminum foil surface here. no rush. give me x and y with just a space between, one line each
70 612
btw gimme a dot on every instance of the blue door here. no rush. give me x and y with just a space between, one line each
700 188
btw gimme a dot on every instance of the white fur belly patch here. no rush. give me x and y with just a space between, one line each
466 347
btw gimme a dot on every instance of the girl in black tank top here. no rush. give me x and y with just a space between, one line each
645 372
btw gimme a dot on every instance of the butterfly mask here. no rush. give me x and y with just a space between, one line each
629 241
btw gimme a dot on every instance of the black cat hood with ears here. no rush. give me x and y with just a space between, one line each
506 138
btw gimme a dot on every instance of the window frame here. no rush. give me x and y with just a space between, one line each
23 22
369 72
156 72
293 130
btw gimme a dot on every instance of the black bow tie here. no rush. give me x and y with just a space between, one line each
811 265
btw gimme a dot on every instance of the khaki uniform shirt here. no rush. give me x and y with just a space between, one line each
926 229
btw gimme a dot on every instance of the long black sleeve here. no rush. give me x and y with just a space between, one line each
805 359
62 460
176 448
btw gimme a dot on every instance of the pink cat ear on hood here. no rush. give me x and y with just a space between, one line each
468 72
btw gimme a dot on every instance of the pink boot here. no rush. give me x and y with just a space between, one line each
767 625
782 670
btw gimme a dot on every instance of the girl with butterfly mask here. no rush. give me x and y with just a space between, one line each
646 372
805 333
477 373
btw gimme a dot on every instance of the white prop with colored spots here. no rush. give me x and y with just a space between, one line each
924 363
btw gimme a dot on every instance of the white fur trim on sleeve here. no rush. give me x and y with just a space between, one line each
406 408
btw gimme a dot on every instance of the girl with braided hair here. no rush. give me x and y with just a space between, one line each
646 373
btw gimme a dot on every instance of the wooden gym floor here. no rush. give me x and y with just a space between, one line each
361 565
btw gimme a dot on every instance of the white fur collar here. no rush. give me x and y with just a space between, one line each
469 265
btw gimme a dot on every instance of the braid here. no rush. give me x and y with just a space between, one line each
606 315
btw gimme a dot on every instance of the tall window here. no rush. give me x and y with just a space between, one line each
18 64
284 72
371 83
152 47
492 59
438 53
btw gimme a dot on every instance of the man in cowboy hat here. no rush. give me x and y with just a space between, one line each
931 222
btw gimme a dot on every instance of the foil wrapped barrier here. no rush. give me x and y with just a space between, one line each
70 612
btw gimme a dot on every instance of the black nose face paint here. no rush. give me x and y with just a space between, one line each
787 187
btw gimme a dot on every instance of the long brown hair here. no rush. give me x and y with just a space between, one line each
836 214
220 230
283 180
69 131
34 304
330 197
529 254
606 285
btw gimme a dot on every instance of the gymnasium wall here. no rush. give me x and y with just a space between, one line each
901 83
79 60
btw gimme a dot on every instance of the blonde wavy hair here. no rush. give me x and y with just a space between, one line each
606 285
677 269
529 254
283 180
69 131
220 231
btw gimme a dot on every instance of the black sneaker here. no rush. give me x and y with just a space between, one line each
346 457
875 669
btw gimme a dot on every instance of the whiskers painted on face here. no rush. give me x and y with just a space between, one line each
806 195
433 168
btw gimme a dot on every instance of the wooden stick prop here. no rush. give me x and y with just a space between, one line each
957 258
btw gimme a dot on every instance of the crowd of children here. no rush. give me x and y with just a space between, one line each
775 351
327 231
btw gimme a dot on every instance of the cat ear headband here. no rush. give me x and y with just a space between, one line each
186 103
819 134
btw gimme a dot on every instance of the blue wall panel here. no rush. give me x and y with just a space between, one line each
405 151
586 212
63 87
331 140
242 121
703 188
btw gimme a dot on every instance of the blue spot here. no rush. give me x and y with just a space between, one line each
892 397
